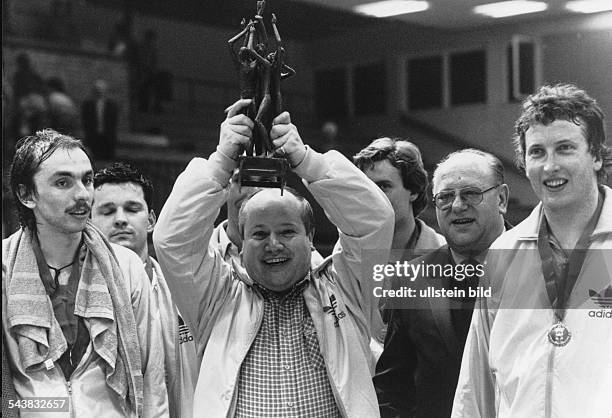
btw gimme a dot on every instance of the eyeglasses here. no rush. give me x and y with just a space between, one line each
470 195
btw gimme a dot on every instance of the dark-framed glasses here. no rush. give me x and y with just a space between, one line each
470 195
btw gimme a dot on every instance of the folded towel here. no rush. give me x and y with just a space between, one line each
102 298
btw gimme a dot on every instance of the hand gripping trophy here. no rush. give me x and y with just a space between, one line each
260 71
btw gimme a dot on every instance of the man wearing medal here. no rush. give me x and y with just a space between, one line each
533 349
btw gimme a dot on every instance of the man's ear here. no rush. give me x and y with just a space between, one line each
597 163
504 192
152 219
25 198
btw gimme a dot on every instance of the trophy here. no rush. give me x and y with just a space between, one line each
260 71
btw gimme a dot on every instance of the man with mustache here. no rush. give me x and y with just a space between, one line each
280 338
122 211
76 310
540 346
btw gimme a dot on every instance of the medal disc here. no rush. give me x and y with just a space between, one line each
559 335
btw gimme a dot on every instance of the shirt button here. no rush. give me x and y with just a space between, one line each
290 404
287 367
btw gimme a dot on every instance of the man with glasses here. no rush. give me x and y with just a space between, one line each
417 372
540 346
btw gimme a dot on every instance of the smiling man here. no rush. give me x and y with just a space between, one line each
279 338
122 210
226 237
65 292
536 348
417 372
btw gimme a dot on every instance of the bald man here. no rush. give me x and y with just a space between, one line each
279 338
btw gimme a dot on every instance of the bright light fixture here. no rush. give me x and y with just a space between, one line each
510 8
391 7
589 6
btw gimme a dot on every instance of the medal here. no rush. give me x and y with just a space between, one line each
559 335
559 284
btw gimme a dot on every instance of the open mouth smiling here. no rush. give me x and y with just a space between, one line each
79 213
555 183
462 221
276 261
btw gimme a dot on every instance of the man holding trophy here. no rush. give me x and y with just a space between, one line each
276 337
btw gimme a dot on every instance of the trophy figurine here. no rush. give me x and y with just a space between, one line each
260 71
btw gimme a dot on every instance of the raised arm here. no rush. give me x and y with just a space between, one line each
233 40
353 203
197 276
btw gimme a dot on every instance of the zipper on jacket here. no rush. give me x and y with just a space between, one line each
549 383
70 404
175 335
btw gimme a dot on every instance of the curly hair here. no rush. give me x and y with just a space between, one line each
570 103
406 157
30 152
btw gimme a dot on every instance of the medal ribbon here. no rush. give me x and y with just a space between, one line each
560 287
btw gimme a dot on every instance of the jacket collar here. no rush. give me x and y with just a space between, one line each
528 229
223 239
604 224
156 271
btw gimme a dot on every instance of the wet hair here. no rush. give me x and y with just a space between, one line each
570 103
121 172
406 157
306 214
30 152
495 165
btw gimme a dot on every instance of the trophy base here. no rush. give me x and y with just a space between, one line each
263 172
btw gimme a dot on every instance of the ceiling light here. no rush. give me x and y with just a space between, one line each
391 7
589 6
510 8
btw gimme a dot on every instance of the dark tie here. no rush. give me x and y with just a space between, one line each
461 317
470 280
